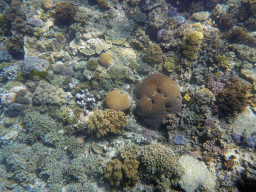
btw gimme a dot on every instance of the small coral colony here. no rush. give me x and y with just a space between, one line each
131 95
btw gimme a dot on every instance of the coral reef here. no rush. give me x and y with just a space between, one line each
68 68
125 171
105 122
85 99
37 124
156 96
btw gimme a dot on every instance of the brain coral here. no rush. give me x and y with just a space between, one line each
107 121
155 97
46 93
118 100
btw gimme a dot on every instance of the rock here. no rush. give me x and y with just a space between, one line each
196 174
245 119
248 71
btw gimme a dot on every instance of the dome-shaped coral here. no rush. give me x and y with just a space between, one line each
118 100
105 60
155 97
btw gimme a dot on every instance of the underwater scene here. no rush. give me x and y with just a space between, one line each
127 95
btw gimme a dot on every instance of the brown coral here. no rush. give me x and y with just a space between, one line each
105 60
114 172
233 98
64 13
125 171
107 121
155 97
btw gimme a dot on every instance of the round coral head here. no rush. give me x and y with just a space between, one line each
118 100
156 96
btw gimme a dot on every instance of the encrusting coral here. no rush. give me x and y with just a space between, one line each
46 93
107 121
153 54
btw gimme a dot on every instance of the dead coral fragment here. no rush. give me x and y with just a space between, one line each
107 121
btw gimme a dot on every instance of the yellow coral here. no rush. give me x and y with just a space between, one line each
187 97
118 100
107 121
191 44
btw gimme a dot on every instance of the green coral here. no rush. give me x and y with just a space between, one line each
37 31
191 45
222 61
153 54
40 74
4 24
169 64
92 64
37 124
117 73
134 64
158 159
103 3
102 81
64 114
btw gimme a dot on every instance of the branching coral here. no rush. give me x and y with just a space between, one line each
158 159
64 13
191 44
125 171
233 98
108 121
153 54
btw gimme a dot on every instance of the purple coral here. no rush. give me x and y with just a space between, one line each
172 13
160 33
250 141
216 86
147 134
35 22
180 140
34 64
209 121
